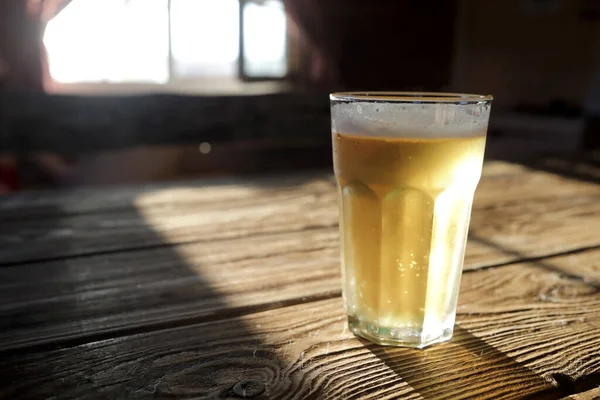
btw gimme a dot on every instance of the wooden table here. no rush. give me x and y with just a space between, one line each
212 288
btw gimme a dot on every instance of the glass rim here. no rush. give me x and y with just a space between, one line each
410 97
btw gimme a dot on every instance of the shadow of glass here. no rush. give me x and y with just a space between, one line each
466 367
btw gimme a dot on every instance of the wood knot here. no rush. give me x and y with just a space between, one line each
248 389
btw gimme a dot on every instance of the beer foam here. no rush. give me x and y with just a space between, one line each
410 120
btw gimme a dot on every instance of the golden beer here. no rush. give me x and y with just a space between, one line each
405 203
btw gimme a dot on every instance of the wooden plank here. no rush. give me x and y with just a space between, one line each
46 204
593 394
499 179
125 291
514 216
500 233
131 228
536 228
522 330
110 293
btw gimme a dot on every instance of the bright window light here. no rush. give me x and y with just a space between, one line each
128 40
265 39
109 40
205 37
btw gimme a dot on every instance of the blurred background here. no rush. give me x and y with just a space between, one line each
97 92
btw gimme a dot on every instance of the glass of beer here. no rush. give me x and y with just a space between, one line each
406 165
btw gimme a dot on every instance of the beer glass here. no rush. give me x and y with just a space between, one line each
406 165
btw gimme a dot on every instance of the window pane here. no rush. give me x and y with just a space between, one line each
205 37
265 39
109 40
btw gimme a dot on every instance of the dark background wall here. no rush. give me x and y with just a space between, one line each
393 45
528 54
539 58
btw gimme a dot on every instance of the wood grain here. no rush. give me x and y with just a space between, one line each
123 291
515 216
149 289
173 195
133 228
183 291
509 181
523 330
593 394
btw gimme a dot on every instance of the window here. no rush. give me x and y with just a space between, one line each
205 37
161 41
263 40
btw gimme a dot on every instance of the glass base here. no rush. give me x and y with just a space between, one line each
399 337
